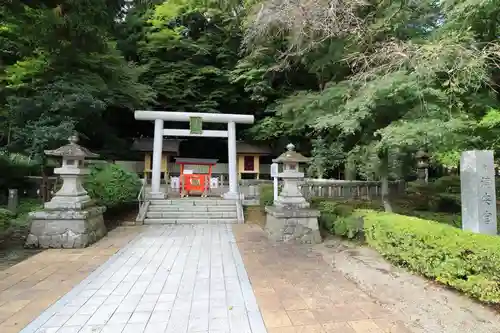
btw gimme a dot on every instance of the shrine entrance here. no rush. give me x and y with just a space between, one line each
195 176
196 121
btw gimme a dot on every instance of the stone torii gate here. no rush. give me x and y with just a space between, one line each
196 121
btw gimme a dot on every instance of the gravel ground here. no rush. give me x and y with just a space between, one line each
426 306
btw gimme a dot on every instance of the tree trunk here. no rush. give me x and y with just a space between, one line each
319 172
384 179
44 185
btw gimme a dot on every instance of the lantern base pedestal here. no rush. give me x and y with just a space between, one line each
292 225
66 223
291 203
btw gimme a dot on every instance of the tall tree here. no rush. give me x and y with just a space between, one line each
413 66
68 75
189 48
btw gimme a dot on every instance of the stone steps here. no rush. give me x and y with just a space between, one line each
187 214
183 208
190 221
193 202
191 211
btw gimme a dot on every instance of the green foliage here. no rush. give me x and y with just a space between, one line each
337 217
266 195
111 186
489 129
19 220
63 73
442 194
13 171
463 260
382 79
26 205
5 219
189 48
325 157
491 119
368 79
449 159
451 219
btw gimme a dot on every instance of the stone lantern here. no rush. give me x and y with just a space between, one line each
291 219
290 195
71 219
422 165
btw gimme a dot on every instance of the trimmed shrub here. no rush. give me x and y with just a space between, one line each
463 260
337 218
112 186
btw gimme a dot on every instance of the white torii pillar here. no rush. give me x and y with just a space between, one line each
160 116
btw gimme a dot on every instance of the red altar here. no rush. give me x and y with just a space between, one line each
195 175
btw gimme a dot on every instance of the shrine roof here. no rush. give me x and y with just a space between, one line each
146 145
172 146
200 161
248 148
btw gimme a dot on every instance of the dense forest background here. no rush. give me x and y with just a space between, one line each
361 85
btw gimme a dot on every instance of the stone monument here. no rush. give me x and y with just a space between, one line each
290 218
13 201
477 183
71 219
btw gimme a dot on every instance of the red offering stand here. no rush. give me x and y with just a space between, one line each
195 175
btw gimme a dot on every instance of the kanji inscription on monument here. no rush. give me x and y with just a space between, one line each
477 181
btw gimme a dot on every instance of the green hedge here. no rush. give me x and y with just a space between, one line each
337 216
112 186
463 260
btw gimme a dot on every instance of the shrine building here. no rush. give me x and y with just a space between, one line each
253 160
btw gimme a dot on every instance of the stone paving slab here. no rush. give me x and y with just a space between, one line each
171 279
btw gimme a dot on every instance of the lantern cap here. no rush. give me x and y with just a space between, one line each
291 156
421 154
72 149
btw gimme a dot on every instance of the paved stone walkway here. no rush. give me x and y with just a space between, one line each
172 279
299 292
31 286
189 278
